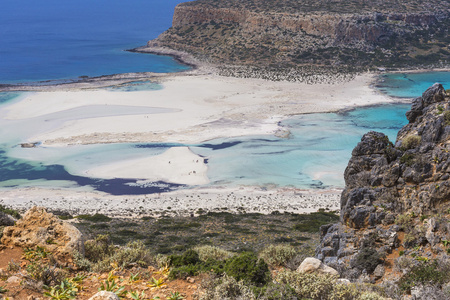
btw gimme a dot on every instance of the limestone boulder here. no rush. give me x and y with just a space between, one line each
313 265
40 228
6 220
104 295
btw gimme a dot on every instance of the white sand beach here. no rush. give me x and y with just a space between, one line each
192 107
198 108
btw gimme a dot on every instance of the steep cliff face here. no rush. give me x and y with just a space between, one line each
292 33
396 196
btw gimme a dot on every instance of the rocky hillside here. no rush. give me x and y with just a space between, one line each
282 34
395 208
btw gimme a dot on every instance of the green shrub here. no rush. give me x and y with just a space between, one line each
134 252
275 291
411 141
214 266
425 273
404 221
312 222
81 262
11 212
447 117
212 252
277 255
368 259
99 248
190 257
370 296
407 159
162 260
226 287
314 286
249 268
47 274
94 218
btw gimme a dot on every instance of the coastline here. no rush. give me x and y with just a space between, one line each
201 106
185 202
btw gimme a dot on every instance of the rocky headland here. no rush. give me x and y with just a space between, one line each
395 207
289 39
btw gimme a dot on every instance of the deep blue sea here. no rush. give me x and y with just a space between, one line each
53 39
59 40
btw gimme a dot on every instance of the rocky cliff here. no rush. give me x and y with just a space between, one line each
284 33
396 202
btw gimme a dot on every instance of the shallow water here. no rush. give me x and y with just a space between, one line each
314 156
411 85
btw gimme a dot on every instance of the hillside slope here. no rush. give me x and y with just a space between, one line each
284 34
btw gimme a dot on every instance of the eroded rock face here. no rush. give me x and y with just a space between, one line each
297 32
384 180
40 228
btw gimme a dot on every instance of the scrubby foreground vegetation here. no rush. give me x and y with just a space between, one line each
136 271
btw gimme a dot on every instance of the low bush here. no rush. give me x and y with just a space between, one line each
11 212
81 262
404 264
404 221
411 141
430 272
274 291
190 257
248 268
211 252
407 159
277 255
368 259
226 287
312 222
132 253
94 218
314 286
99 248
447 117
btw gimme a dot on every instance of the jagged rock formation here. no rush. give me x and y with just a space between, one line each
287 33
395 195
40 228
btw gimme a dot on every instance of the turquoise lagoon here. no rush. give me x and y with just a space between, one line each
313 157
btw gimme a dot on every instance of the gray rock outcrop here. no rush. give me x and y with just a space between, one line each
392 190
